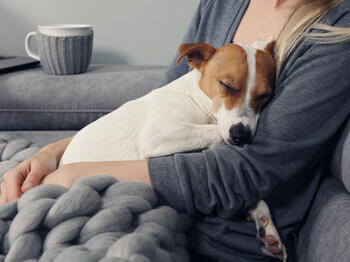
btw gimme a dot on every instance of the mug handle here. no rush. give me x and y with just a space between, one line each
27 44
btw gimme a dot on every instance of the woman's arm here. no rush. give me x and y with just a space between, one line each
312 101
66 175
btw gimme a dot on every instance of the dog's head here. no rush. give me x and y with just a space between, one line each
238 79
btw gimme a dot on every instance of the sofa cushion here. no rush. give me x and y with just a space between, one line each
340 165
325 235
34 100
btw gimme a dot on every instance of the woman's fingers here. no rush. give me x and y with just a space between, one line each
36 174
40 166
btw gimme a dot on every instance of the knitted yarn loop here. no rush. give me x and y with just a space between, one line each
97 219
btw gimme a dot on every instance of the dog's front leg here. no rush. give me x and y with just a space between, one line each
205 136
182 138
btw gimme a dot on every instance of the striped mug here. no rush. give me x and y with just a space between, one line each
64 49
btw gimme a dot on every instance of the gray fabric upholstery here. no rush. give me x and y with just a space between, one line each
98 219
34 100
325 236
340 164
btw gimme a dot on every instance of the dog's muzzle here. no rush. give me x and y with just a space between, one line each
239 134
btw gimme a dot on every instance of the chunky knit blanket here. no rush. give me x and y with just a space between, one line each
97 219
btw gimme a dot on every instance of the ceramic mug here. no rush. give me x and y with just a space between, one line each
64 49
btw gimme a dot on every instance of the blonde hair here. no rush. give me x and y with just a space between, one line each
305 17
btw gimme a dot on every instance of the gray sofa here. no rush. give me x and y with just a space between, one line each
46 108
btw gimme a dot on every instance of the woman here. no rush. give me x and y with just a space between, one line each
282 164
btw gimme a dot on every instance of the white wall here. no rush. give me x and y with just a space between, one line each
136 32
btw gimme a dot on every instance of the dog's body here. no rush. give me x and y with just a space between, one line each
150 126
219 101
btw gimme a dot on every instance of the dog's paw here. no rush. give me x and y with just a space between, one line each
267 232
270 240
216 139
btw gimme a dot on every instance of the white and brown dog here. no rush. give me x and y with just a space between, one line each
219 101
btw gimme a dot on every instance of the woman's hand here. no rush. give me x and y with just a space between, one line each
27 174
30 172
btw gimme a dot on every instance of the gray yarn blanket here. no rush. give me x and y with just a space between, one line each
97 219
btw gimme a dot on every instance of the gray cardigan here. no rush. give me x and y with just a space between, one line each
284 162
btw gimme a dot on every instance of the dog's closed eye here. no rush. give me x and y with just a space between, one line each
227 86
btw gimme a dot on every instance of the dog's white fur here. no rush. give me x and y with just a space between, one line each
175 118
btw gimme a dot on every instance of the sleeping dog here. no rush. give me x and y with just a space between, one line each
217 102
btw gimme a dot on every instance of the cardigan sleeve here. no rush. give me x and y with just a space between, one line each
312 100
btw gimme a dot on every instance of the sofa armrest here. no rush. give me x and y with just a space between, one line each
340 164
34 100
325 235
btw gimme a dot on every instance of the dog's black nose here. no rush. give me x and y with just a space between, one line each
240 134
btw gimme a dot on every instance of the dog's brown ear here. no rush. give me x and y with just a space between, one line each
196 54
270 48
